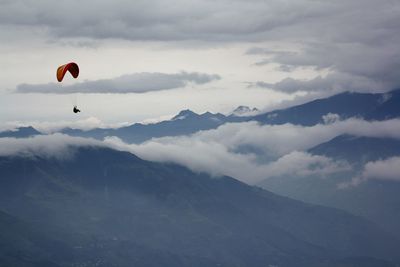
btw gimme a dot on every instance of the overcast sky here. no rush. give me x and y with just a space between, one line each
151 58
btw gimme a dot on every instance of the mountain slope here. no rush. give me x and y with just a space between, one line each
133 210
376 200
358 149
388 109
346 105
23 244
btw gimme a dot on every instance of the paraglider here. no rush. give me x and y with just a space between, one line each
72 68
76 110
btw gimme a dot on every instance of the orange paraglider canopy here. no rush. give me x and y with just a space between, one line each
72 67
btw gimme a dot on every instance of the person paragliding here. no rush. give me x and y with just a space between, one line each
72 68
76 110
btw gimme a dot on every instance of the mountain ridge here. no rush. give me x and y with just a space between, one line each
368 106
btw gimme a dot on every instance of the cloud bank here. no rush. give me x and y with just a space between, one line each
247 151
253 152
130 83
217 160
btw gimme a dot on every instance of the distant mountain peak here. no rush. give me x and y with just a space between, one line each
184 114
244 111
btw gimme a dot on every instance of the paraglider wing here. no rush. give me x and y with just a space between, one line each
72 67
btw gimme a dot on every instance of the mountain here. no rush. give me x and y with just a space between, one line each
377 106
388 108
358 149
110 208
363 105
244 111
376 200
21 132
185 114
185 123
346 105
25 244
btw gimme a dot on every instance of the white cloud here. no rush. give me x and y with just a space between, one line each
216 159
197 153
387 169
330 118
54 146
252 152
248 151
282 139
298 163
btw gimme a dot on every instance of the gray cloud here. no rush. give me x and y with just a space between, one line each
219 20
160 20
356 43
132 83
333 83
352 66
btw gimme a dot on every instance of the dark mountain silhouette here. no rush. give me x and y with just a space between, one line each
358 149
369 106
184 123
111 208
